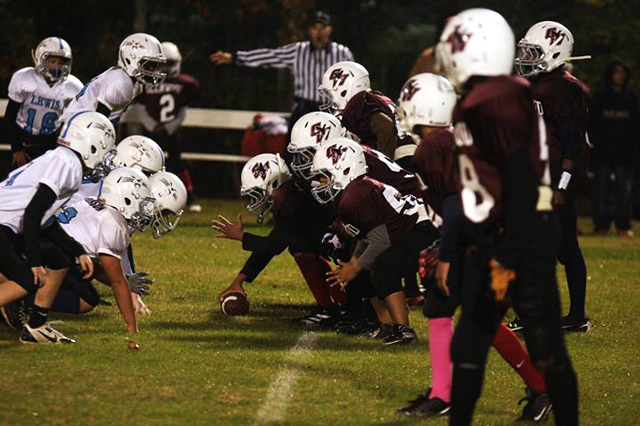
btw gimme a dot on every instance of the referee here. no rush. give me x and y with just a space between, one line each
307 61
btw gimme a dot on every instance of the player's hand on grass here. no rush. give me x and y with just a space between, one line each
39 276
139 283
501 277
221 58
442 272
344 274
86 266
228 229
138 305
20 158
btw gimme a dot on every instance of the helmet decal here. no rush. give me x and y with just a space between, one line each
554 34
259 170
334 152
409 90
338 77
458 40
319 130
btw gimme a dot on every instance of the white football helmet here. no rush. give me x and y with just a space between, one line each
141 57
546 46
306 135
139 152
260 177
170 197
339 83
426 100
53 46
127 190
91 135
173 57
336 163
475 42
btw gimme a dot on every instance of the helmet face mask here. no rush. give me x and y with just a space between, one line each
141 57
323 186
326 102
302 162
530 59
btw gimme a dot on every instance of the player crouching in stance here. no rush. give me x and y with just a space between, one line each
103 226
390 230
501 148
424 110
28 199
299 224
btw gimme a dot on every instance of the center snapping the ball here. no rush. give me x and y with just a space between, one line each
235 303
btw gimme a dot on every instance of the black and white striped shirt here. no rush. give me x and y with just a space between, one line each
306 63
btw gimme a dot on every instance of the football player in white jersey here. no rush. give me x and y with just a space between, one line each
29 197
111 92
103 225
37 97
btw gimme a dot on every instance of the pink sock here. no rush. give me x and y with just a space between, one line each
440 334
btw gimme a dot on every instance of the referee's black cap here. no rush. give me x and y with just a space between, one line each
320 17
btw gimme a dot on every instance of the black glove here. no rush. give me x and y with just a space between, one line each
139 284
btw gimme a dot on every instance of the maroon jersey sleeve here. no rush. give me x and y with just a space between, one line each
385 170
493 122
564 101
357 114
436 162
367 204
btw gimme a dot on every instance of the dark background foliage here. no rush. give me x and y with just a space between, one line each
385 35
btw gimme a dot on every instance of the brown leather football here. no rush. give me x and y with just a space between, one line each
235 303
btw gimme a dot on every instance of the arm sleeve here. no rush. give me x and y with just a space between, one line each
569 136
382 126
11 128
64 241
451 223
378 241
255 264
273 244
521 196
103 109
281 57
33 214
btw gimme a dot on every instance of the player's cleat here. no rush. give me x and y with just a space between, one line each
382 332
44 334
319 318
356 326
516 324
538 407
579 326
401 335
14 314
414 404
433 407
195 208
625 233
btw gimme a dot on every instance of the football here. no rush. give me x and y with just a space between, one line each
235 303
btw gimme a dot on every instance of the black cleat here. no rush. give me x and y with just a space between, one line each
578 326
538 407
414 404
14 314
401 335
382 332
433 407
516 324
319 318
356 326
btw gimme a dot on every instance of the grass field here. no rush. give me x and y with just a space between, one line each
198 367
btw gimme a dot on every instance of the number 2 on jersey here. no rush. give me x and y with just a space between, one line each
168 104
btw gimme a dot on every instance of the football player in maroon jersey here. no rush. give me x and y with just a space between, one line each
541 57
164 109
514 230
390 229
424 110
299 224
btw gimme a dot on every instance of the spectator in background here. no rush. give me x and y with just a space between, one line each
614 126
307 61
165 107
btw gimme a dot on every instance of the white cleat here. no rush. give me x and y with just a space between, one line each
195 208
44 334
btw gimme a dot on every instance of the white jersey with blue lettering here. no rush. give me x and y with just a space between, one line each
98 228
113 88
42 104
60 169
88 188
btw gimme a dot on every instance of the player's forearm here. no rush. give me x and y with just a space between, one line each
254 265
386 136
273 244
378 242
521 197
41 201
122 294
11 128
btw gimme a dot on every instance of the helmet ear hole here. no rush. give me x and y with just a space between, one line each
275 184
127 201
93 149
346 171
343 93
555 55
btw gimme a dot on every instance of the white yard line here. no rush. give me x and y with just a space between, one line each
275 405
